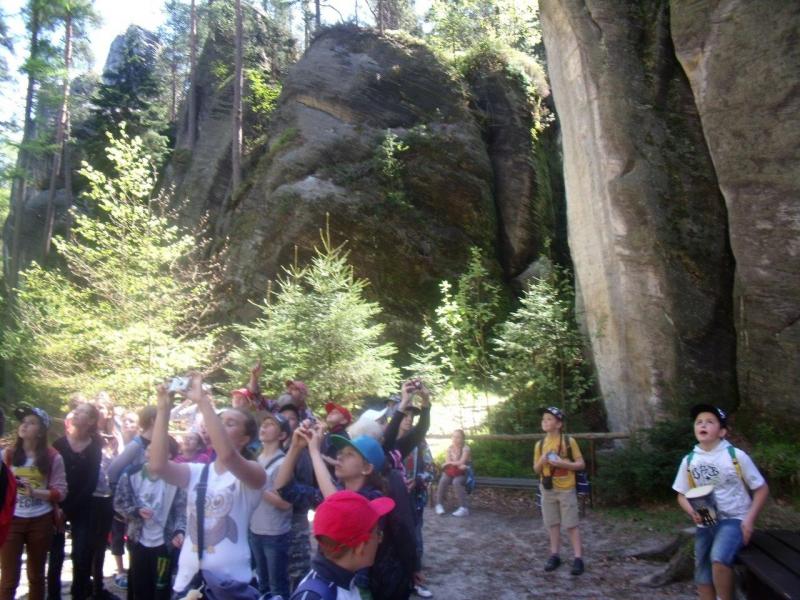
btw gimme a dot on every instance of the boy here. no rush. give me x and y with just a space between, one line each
338 418
271 522
715 462
347 530
156 516
555 460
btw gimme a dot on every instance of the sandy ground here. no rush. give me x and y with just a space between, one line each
499 552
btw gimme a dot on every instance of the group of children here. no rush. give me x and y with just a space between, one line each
210 512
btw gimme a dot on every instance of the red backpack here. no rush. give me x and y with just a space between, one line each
8 498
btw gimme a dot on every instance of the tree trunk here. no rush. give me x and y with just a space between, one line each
236 141
191 117
60 128
317 16
20 182
381 16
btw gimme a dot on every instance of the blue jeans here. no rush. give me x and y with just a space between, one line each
271 553
719 544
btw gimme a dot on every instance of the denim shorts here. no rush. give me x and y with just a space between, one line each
719 544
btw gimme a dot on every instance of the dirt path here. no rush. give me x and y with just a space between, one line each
499 551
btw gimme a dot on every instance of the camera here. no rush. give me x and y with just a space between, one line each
179 385
547 482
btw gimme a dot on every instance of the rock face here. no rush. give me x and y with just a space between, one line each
376 134
646 220
747 92
682 197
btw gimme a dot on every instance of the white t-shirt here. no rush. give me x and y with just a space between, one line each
156 495
28 506
716 468
267 518
229 505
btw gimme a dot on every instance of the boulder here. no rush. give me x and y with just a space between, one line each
646 219
373 135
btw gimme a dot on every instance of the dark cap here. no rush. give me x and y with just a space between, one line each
714 410
556 412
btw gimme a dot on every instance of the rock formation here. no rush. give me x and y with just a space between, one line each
376 133
680 124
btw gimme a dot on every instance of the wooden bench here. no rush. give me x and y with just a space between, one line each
769 566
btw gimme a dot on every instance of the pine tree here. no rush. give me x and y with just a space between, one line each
540 349
456 344
129 306
319 328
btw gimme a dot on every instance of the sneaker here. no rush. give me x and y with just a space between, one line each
422 591
440 509
461 512
121 581
552 563
577 566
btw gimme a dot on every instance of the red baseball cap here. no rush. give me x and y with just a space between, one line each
332 406
242 392
348 518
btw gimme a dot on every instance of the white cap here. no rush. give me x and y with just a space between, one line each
373 414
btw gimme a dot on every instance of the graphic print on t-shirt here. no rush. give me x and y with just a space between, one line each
218 523
33 476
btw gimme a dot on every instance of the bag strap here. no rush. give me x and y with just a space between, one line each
200 506
689 457
737 466
273 459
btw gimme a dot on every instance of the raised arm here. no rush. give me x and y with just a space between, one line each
249 472
324 481
159 463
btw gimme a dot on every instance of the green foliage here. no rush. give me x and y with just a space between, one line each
390 167
646 466
321 329
455 346
777 455
498 458
456 25
263 95
539 353
128 307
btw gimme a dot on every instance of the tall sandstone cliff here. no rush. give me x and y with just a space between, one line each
681 122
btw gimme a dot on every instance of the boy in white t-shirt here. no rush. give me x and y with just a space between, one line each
271 522
155 512
713 461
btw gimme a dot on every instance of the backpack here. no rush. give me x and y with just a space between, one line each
318 586
734 460
583 486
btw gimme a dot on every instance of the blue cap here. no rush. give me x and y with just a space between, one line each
367 447
23 412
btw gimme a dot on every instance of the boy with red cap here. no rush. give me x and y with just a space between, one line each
347 530
338 419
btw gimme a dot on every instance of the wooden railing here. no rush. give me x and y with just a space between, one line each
530 437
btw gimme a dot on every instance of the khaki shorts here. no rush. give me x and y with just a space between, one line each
559 507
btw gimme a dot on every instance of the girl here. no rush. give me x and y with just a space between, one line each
233 488
454 471
41 483
81 450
